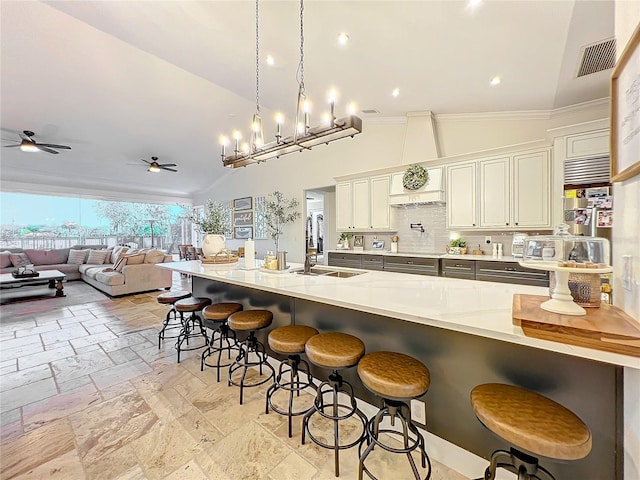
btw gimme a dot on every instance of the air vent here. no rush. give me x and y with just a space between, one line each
584 171
370 110
598 57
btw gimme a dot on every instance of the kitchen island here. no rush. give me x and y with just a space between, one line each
460 329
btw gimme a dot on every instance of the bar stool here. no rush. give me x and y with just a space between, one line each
191 305
397 378
215 318
170 298
290 340
250 321
334 350
531 422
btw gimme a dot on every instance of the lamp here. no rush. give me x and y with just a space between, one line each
304 136
28 146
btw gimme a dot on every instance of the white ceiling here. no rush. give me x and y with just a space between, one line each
122 80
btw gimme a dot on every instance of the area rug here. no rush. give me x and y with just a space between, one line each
24 301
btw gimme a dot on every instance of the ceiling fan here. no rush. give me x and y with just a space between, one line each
155 167
28 144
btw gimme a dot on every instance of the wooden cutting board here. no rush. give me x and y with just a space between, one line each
606 328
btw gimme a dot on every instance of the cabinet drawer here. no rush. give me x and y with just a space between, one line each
458 268
509 272
372 262
415 265
351 260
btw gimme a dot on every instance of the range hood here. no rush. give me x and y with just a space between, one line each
432 193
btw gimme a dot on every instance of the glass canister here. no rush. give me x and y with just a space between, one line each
270 260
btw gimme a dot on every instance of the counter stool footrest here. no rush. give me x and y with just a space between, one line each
188 332
176 324
250 346
222 334
525 466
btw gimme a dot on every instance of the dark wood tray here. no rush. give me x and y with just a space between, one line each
25 275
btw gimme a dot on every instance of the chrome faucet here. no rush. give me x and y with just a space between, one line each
307 263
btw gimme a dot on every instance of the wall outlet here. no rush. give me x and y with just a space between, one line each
419 411
487 240
627 272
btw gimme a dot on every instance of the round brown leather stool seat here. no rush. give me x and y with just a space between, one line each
191 305
169 298
290 340
397 378
334 350
251 351
222 338
532 422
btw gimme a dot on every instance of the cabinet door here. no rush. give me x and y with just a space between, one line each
361 199
344 206
495 182
379 202
531 189
461 196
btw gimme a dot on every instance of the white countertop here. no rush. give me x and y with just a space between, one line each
428 255
468 306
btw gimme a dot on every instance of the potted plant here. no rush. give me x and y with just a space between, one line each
280 211
344 239
457 246
213 223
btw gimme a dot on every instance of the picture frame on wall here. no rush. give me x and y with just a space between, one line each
625 115
243 233
244 203
243 219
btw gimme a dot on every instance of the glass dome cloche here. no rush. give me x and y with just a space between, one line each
562 254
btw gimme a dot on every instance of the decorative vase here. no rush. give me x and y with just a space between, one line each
212 244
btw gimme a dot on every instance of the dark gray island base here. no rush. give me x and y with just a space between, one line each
457 363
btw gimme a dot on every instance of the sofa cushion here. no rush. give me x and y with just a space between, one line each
19 259
76 257
154 256
5 259
135 259
110 278
119 265
92 270
109 252
54 256
97 257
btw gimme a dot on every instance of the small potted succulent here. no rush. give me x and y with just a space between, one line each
344 239
457 246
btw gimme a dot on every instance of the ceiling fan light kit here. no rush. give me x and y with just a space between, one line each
28 144
304 137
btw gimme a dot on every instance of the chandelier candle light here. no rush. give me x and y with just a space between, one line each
304 136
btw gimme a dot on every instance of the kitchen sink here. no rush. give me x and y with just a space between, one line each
327 272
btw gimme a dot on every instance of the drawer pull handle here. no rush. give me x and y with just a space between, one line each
510 269
409 262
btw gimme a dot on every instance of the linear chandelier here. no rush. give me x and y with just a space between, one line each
304 137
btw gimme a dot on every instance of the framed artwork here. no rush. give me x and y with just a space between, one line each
358 240
242 203
243 233
625 114
377 244
243 219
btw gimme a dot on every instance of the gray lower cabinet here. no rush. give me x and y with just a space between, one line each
451 267
350 260
372 262
417 265
510 272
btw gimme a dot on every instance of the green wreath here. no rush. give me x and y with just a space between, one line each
414 177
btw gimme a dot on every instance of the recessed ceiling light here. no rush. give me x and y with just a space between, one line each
495 81
343 38
396 92
270 60
472 5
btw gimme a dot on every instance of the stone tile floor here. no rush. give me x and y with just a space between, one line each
85 393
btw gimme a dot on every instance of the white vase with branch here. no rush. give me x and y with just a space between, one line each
214 222
280 211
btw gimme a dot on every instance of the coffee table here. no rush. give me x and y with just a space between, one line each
53 277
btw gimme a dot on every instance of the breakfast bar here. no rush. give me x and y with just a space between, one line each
462 330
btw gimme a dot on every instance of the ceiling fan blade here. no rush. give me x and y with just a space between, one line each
146 161
12 145
169 169
167 165
51 145
48 150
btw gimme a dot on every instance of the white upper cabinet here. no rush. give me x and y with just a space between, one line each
531 189
363 204
495 192
461 195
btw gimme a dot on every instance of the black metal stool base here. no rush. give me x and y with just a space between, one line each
524 466
250 346
335 384
189 331
169 325
401 411
291 367
221 334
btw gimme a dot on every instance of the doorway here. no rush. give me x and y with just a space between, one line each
318 222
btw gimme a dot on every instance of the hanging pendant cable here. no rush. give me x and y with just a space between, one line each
257 58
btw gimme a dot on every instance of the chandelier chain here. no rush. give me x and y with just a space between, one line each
257 58
300 74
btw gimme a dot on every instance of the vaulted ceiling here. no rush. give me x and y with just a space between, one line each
121 81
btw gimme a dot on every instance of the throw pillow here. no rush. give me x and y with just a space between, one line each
135 259
76 257
19 259
97 257
118 253
108 258
5 259
154 256
119 265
